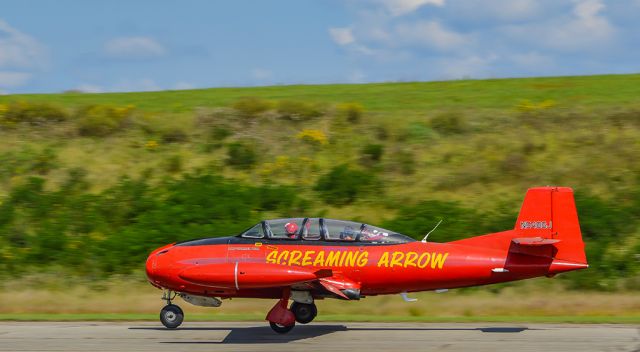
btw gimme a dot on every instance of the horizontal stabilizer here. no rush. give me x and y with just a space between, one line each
534 241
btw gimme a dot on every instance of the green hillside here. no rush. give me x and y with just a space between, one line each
89 183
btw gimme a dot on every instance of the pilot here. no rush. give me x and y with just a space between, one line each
375 235
348 233
290 229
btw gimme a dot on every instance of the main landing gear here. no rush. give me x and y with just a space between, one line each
171 315
304 313
282 320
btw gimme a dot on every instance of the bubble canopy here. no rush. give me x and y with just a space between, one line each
320 229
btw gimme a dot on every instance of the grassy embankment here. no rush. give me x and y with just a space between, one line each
480 143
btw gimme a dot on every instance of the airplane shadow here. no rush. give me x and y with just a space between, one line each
264 334
255 334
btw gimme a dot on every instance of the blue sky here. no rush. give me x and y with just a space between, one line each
118 45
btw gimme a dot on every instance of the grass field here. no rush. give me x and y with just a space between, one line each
539 300
480 143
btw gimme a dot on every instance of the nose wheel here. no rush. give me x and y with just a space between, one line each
171 316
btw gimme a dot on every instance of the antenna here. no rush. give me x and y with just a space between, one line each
424 240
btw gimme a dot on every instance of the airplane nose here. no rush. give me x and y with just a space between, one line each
151 265
152 269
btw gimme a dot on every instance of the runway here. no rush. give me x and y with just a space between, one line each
217 336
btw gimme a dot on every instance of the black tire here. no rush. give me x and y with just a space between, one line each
171 316
281 329
305 313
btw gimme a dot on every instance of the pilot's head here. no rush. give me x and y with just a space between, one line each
291 228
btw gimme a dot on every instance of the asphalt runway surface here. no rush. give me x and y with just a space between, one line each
256 336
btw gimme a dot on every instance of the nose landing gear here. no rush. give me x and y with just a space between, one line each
171 316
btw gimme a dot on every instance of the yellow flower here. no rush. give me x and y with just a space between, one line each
313 136
151 145
529 106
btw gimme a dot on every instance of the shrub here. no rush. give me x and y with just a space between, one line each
206 117
297 110
448 123
175 136
241 155
32 113
514 164
174 163
352 111
251 107
457 222
101 120
26 161
405 162
315 137
342 185
371 154
219 133
418 131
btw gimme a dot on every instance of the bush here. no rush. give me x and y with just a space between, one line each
250 107
101 120
297 110
352 111
173 164
371 154
405 162
342 185
314 137
241 155
28 161
32 113
448 123
206 117
175 136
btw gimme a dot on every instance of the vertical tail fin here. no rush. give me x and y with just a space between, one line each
550 213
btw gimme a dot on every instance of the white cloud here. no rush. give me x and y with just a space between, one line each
584 29
430 34
342 36
18 49
14 79
588 8
403 7
134 48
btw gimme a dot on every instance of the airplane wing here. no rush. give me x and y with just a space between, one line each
241 275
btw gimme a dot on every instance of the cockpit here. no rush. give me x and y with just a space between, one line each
320 229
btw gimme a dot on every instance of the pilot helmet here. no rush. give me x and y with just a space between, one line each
291 228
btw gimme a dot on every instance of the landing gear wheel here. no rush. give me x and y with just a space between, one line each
305 313
281 329
171 316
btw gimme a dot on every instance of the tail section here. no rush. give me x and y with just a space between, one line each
547 227
549 213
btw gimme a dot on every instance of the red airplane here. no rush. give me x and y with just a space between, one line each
304 259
